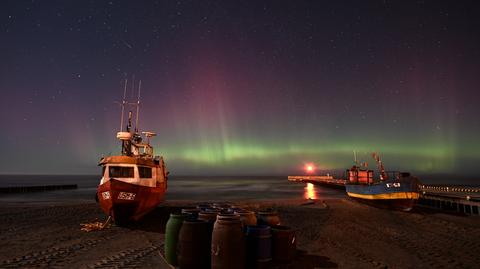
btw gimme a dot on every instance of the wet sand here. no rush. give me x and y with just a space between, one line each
338 233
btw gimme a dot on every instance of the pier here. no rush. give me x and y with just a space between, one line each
327 180
21 189
448 198
457 199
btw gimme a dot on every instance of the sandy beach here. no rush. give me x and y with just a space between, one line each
335 233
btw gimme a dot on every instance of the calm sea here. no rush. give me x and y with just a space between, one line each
205 188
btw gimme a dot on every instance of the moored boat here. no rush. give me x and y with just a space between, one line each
135 182
398 190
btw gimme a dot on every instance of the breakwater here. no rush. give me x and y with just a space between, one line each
21 189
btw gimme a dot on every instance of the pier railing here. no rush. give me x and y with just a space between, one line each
433 188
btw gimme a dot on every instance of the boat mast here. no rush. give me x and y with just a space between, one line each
138 106
383 175
123 105
130 137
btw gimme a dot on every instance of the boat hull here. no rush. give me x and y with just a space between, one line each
397 194
126 202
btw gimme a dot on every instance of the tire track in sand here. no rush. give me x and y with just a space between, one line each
53 257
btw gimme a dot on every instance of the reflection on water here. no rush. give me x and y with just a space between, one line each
309 192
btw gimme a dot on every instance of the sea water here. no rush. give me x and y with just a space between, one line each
199 188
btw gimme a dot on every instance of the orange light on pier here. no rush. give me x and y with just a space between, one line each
309 192
309 168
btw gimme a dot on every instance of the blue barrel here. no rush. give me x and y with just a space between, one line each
191 212
204 206
259 245
214 210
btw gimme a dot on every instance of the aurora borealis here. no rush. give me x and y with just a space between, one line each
243 88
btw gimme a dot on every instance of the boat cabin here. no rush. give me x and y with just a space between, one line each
138 171
356 175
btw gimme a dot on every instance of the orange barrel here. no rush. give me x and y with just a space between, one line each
247 217
208 216
269 217
194 244
284 245
172 230
191 212
228 244
259 244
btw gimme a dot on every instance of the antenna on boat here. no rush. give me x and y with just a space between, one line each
138 106
123 104
129 126
355 157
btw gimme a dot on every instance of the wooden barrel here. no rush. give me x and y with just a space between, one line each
194 243
259 244
208 216
191 212
228 244
172 230
269 217
247 217
284 245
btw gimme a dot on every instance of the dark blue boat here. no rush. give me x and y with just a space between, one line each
393 189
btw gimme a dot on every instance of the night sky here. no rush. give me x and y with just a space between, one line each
242 87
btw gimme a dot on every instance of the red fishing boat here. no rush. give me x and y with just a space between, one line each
135 182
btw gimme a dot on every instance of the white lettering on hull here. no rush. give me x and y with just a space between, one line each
126 196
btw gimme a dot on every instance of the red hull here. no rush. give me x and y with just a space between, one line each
126 202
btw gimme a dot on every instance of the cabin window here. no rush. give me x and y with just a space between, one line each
145 172
120 171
